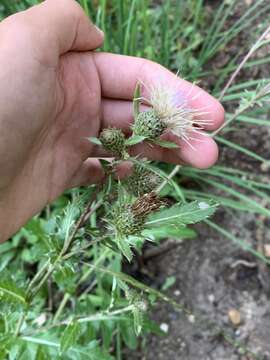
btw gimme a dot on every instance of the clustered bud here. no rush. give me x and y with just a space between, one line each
142 181
129 219
113 140
148 124
124 221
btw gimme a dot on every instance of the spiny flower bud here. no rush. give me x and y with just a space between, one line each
142 181
146 204
128 219
148 124
124 221
113 140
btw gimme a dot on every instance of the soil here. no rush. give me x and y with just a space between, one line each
226 289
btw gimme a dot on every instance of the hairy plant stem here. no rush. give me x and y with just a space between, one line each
96 317
169 177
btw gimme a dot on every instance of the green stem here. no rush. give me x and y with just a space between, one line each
170 176
61 307
19 324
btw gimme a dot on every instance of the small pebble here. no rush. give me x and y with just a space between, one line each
164 327
234 316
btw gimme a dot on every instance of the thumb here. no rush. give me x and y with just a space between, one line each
60 26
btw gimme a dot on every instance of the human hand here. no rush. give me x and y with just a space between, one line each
56 92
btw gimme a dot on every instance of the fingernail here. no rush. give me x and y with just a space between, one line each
99 30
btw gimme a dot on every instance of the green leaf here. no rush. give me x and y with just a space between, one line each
135 139
94 140
124 246
10 292
128 334
169 282
165 144
136 100
138 320
180 215
70 336
168 231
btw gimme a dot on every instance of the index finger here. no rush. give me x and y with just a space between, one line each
119 75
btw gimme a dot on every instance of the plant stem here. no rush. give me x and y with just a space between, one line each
170 176
61 307
19 324
248 55
96 317
238 112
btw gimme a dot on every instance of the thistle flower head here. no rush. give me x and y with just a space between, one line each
127 218
173 111
142 181
113 140
123 221
148 124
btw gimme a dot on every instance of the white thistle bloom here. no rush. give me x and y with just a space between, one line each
177 116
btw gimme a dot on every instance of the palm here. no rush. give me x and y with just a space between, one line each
59 93
60 146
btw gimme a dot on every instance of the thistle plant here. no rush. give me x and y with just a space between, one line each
129 212
63 293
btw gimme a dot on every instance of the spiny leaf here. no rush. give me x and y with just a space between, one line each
138 320
10 292
94 140
165 144
70 336
180 215
124 246
135 139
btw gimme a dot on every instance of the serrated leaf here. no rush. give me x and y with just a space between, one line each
168 231
70 336
94 140
10 292
183 214
135 139
165 144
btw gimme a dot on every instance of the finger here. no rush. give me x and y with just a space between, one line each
91 172
119 114
201 152
119 75
59 26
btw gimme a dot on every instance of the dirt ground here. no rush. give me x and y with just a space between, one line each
226 289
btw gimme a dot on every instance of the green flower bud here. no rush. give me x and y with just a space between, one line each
148 124
128 219
142 181
113 140
124 221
